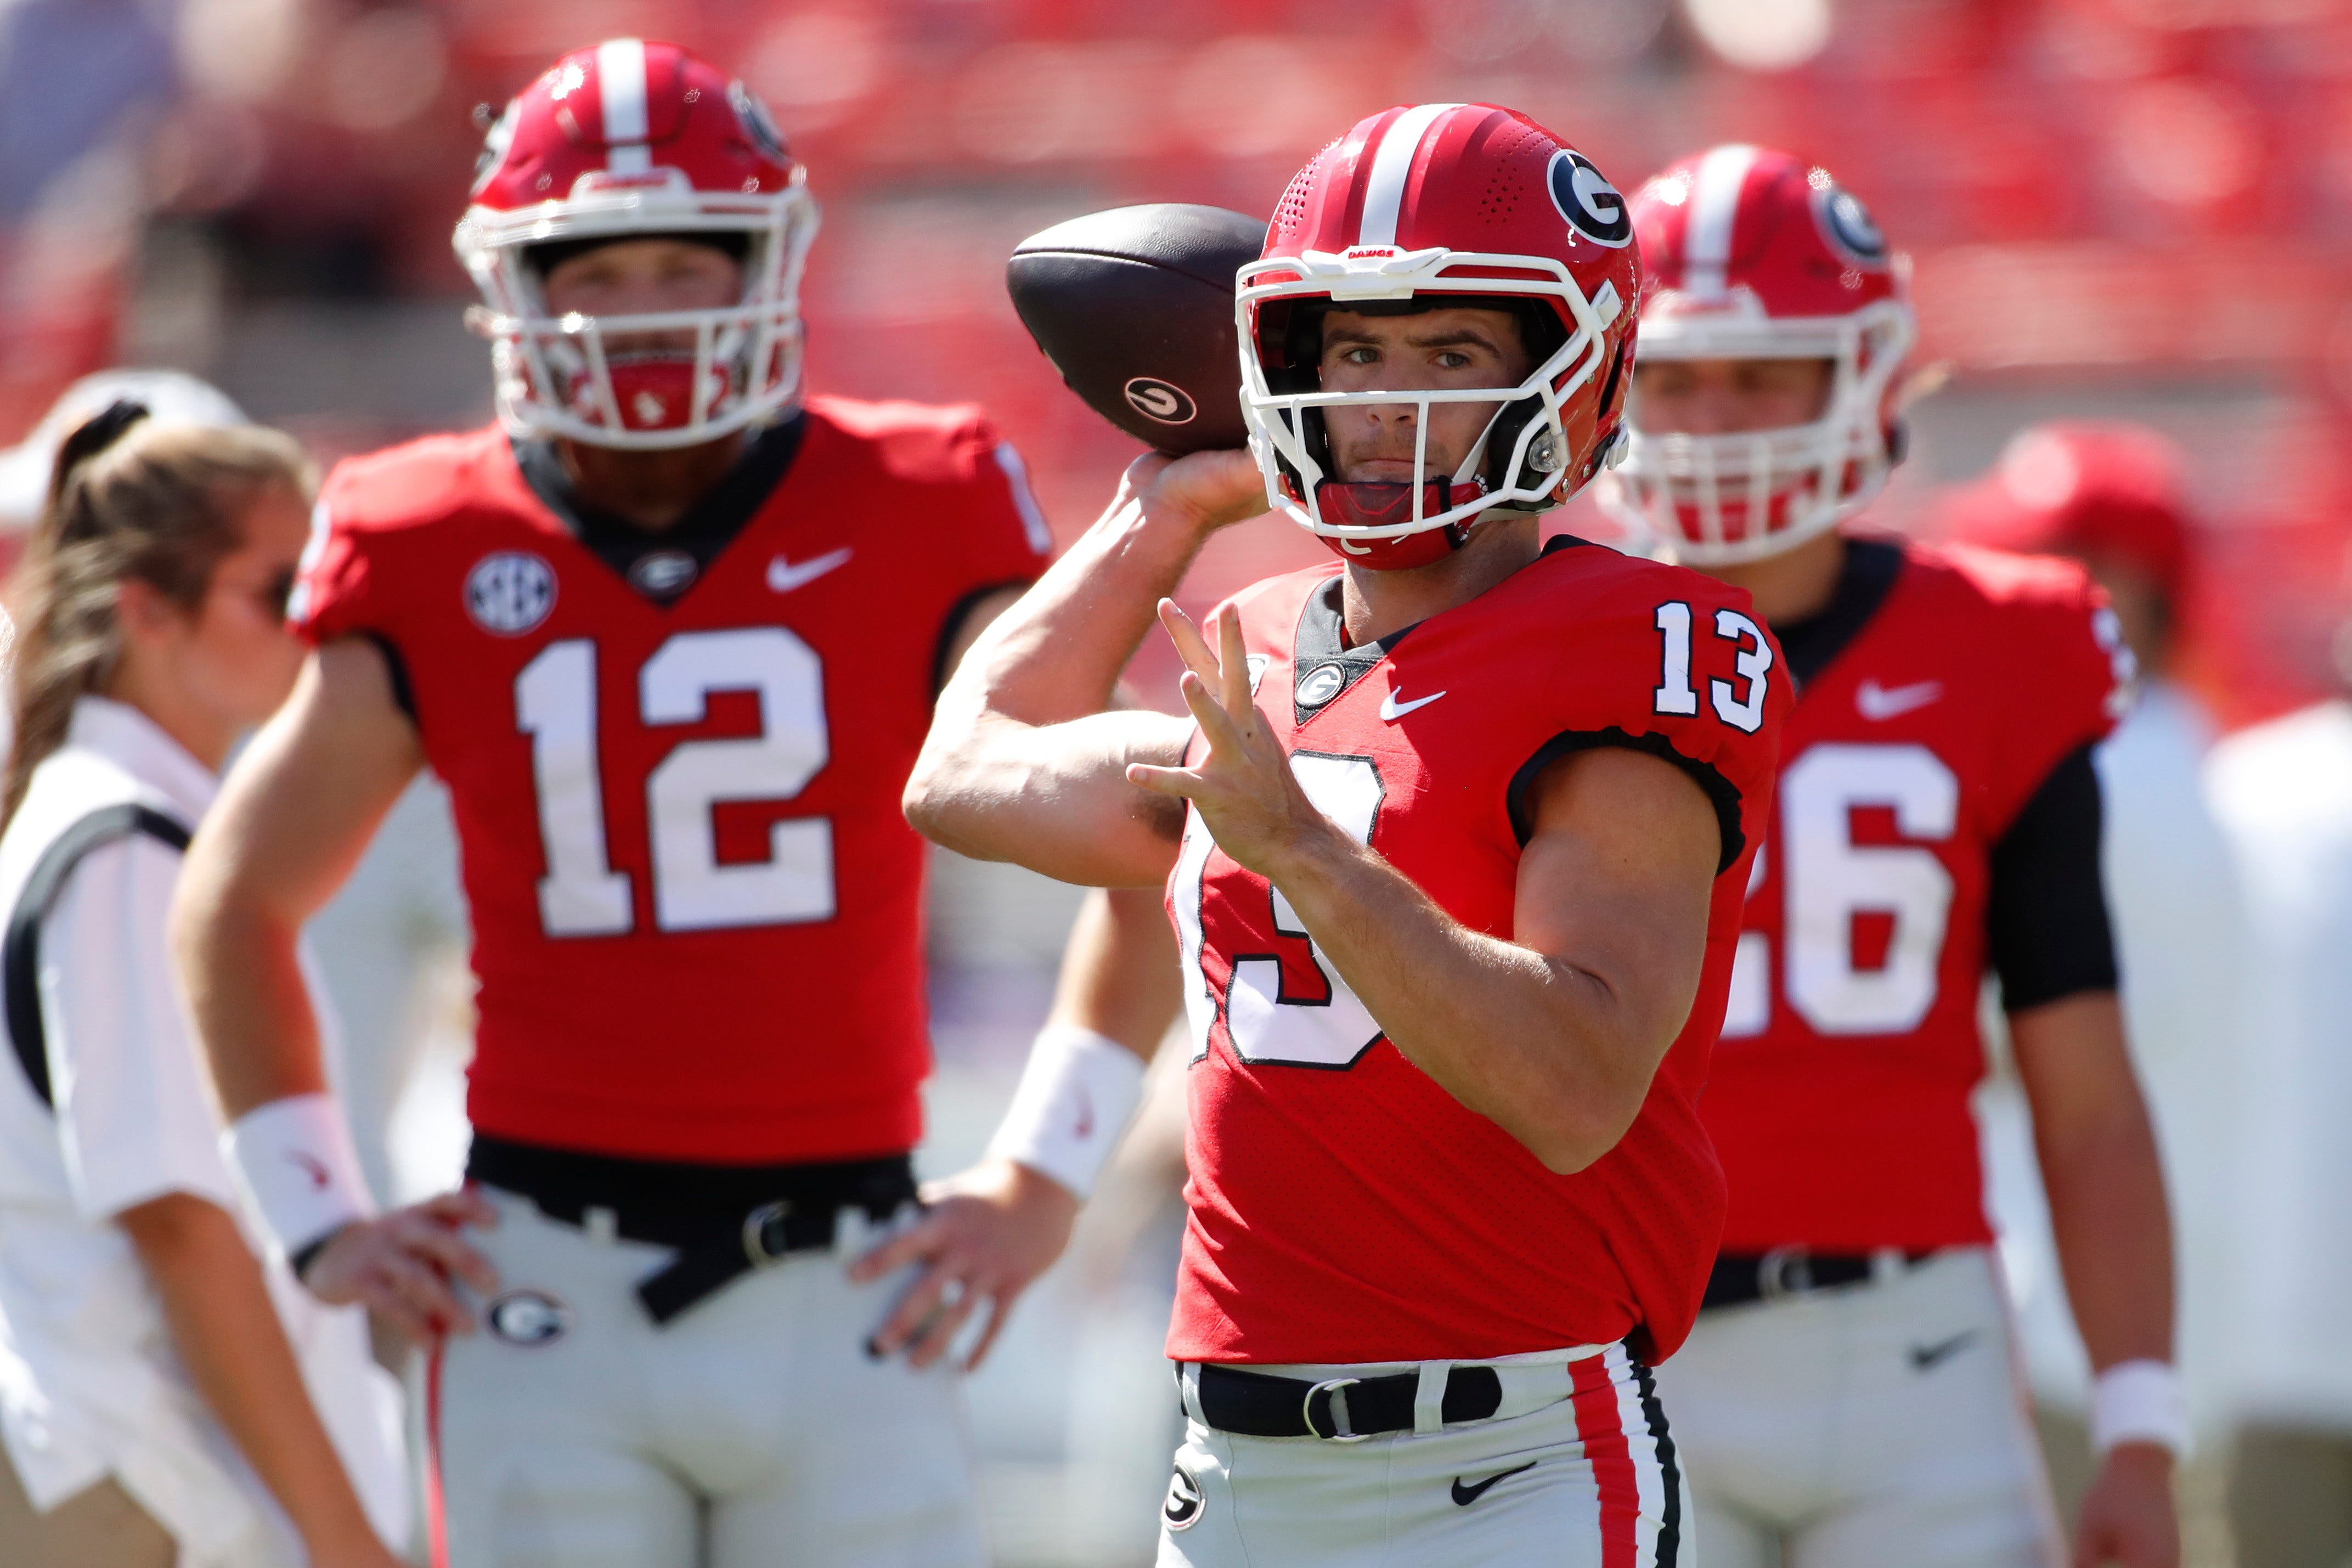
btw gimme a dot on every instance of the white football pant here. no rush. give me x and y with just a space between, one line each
1865 1425
752 1431
1587 1479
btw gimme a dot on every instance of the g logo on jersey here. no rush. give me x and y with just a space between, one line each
1592 207
529 1317
1161 400
510 592
1181 1510
1847 224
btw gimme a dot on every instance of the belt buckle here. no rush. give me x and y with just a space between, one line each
1341 1431
1783 1272
756 1227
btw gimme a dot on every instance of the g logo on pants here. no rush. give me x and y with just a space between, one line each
1182 1508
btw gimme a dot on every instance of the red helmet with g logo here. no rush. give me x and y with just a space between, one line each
1441 203
631 138
1753 254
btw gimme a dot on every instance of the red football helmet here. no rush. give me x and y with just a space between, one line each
1755 255
2078 487
630 139
1445 200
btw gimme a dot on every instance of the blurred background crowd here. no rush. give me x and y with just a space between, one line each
2135 210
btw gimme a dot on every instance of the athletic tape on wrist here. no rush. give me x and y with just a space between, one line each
2138 1402
299 1170
1075 1099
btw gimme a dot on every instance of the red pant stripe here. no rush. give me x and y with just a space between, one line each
1603 1432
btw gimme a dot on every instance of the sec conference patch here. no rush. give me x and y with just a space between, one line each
531 1318
1182 1508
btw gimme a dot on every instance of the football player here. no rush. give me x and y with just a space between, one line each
671 634
1849 1396
1454 842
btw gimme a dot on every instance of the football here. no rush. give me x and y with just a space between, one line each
1135 307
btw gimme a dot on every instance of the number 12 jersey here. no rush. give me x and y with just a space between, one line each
676 773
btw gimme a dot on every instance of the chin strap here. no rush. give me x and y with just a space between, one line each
1374 505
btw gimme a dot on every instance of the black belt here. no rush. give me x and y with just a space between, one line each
723 1220
1787 1271
1252 1405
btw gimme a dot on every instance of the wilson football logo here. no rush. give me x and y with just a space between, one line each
1161 400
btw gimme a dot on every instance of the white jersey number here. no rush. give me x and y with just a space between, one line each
1266 1025
581 895
1830 880
1742 709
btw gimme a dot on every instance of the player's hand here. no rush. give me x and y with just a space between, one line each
984 1235
2127 1515
399 1265
1204 491
1245 789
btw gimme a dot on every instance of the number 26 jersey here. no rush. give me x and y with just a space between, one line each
676 763
1341 1206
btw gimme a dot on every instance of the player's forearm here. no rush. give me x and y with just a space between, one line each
240 971
1120 975
1547 1050
2102 1174
227 1333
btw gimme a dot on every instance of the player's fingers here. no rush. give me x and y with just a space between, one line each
1191 646
1219 727
425 1291
940 1334
1180 782
1233 655
1000 1307
443 1248
464 1206
914 1307
409 1323
919 1241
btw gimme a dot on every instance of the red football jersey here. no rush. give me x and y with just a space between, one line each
696 907
1840 1098
1343 1208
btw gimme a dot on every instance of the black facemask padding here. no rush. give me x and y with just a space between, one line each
542 259
1542 333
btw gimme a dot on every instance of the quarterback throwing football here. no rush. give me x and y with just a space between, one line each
1848 1398
671 634
1454 841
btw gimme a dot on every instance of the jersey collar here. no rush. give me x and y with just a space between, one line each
663 566
1871 567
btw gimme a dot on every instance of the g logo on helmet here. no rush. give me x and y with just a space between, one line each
1161 400
1847 224
510 591
1593 207
495 144
759 125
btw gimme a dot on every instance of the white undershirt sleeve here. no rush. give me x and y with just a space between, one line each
135 1112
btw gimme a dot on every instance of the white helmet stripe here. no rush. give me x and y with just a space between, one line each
1714 206
1392 162
621 83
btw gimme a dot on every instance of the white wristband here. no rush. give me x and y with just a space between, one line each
1075 1099
299 1169
2138 1402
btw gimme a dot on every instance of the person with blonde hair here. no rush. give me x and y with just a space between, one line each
167 1395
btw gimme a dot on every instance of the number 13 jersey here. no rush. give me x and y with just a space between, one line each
1939 689
675 763
1342 1206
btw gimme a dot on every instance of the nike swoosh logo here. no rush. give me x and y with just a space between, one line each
783 576
1465 1495
1877 702
1925 1358
311 1167
1392 710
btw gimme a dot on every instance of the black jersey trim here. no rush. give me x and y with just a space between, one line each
951 625
708 527
1720 791
2047 931
20 949
395 670
1869 573
1321 643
